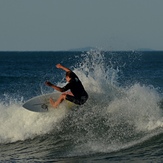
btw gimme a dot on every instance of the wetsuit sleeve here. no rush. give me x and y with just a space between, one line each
67 87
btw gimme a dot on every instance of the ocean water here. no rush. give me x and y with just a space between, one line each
121 122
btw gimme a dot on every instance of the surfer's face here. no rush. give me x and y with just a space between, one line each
68 78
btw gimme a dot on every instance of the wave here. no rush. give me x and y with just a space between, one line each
113 118
18 123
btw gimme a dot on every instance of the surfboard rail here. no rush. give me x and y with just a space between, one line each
41 103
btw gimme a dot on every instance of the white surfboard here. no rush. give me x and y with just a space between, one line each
41 103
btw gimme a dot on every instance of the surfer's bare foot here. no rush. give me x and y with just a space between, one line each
53 103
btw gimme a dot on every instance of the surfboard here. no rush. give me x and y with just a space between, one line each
41 103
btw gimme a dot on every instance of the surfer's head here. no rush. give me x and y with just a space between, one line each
69 75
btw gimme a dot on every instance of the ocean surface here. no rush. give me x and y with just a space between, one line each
121 122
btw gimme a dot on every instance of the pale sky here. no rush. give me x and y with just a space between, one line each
69 24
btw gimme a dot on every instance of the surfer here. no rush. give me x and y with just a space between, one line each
77 93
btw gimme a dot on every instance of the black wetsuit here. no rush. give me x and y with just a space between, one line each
77 89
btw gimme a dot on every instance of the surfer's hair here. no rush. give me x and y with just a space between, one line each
70 74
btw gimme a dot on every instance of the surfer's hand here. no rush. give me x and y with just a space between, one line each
58 65
48 83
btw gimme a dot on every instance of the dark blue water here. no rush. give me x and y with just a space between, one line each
121 122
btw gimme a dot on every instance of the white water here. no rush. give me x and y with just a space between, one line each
18 123
119 113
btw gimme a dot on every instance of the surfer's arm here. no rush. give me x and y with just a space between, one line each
63 67
57 88
54 86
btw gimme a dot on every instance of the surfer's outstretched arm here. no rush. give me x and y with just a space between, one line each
62 67
54 86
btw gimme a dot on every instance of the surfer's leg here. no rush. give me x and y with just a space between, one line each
60 99
52 102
